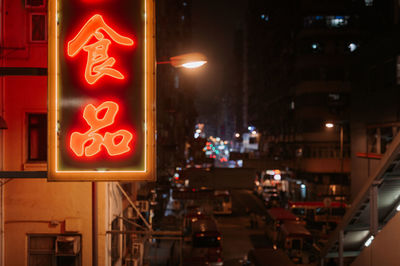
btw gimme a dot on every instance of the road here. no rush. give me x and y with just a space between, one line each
238 236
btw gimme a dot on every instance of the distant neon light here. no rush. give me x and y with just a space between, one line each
89 143
98 62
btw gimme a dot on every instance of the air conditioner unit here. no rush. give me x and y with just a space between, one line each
137 250
132 261
67 245
135 257
142 205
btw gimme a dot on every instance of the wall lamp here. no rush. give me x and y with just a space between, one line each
3 124
190 60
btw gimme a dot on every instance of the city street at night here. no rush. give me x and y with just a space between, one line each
199 132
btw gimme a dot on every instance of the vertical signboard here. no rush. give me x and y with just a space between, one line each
101 96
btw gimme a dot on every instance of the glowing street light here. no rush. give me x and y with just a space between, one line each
329 125
190 60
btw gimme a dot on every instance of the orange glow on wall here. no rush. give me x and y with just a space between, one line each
98 62
90 143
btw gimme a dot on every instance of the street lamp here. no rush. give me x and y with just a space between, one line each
331 125
190 60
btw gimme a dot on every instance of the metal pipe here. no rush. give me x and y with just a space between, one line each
94 224
341 148
341 239
2 157
152 233
2 255
2 95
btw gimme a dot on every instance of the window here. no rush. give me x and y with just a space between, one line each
379 137
369 2
337 21
314 22
316 47
398 70
264 17
54 250
37 137
326 21
34 3
352 47
38 26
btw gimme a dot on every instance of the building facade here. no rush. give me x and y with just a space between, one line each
301 57
46 223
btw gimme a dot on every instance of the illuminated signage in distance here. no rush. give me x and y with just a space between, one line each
101 90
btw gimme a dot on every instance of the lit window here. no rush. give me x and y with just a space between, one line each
369 2
315 47
184 4
352 47
37 137
264 17
337 21
334 96
314 21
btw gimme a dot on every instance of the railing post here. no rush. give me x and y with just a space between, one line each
373 209
341 239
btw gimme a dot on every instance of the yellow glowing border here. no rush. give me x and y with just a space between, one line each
149 174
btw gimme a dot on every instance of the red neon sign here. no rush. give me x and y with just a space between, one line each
98 62
89 143
101 90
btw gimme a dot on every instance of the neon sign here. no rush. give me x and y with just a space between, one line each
101 108
98 62
96 141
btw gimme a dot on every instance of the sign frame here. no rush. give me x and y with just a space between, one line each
148 171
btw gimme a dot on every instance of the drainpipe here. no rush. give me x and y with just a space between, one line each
2 94
94 224
2 255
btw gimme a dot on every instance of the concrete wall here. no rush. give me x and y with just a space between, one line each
22 95
384 250
30 205
35 205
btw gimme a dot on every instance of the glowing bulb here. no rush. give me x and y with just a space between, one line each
194 64
329 125
369 241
